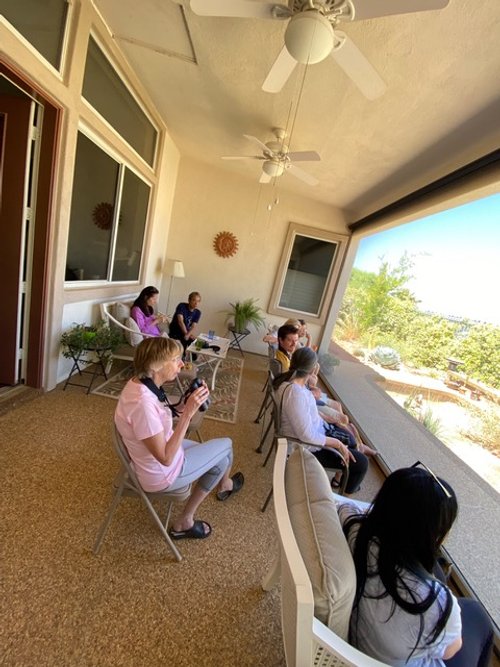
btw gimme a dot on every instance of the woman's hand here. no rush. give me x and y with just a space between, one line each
341 448
197 398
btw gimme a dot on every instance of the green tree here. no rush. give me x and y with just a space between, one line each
431 340
379 309
480 352
378 301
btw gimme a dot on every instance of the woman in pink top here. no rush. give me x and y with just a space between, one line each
161 457
143 312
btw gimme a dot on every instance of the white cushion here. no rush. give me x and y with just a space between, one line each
133 338
321 542
122 311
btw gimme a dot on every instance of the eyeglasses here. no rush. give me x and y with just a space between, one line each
434 477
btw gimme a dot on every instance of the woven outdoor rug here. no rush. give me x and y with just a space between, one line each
224 398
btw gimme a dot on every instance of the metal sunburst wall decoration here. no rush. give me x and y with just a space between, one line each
225 244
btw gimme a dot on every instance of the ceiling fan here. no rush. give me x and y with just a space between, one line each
276 158
312 35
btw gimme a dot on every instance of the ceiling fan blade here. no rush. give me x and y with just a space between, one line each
347 56
280 72
367 9
236 8
242 157
265 178
304 176
257 142
304 156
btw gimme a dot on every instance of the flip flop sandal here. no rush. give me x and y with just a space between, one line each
196 532
238 481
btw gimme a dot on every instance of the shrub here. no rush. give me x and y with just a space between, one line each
485 429
386 357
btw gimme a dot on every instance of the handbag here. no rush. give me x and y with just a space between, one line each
333 431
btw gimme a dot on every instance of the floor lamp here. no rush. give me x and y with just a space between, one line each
176 271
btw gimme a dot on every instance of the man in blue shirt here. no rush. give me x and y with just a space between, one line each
186 317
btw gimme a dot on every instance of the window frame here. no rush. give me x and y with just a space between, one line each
128 85
295 229
57 71
123 163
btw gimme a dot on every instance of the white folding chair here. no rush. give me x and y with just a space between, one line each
127 484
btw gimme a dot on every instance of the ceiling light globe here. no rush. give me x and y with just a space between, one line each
272 168
309 37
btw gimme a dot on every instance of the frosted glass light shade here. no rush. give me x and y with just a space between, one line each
178 269
272 168
309 37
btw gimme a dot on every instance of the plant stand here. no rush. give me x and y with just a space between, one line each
238 336
102 354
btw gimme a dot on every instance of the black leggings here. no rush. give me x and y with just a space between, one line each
330 458
477 636
477 632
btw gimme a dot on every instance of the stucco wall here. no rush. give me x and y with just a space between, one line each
208 201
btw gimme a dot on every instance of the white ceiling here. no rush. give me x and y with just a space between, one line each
441 108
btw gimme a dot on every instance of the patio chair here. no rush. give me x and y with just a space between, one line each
117 314
307 640
273 372
127 484
276 421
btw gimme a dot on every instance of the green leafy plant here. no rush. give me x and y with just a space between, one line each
82 338
243 313
414 404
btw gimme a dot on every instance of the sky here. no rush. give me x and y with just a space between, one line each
456 257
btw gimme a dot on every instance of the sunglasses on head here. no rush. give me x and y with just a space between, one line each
433 475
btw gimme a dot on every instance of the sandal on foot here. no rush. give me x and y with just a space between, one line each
238 480
196 532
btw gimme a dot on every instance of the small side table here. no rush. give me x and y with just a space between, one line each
238 336
102 354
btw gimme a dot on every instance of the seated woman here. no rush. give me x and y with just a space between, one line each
300 419
161 457
143 312
403 615
186 317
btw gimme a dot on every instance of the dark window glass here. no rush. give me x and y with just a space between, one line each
92 212
41 22
106 92
95 229
307 274
131 225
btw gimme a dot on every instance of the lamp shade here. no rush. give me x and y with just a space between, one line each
176 268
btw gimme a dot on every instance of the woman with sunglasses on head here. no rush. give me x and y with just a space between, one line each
403 614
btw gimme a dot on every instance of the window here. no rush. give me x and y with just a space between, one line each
106 92
108 217
41 23
308 268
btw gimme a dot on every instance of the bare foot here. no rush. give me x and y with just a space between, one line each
367 451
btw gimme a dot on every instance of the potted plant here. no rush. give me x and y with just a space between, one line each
82 338
243 313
